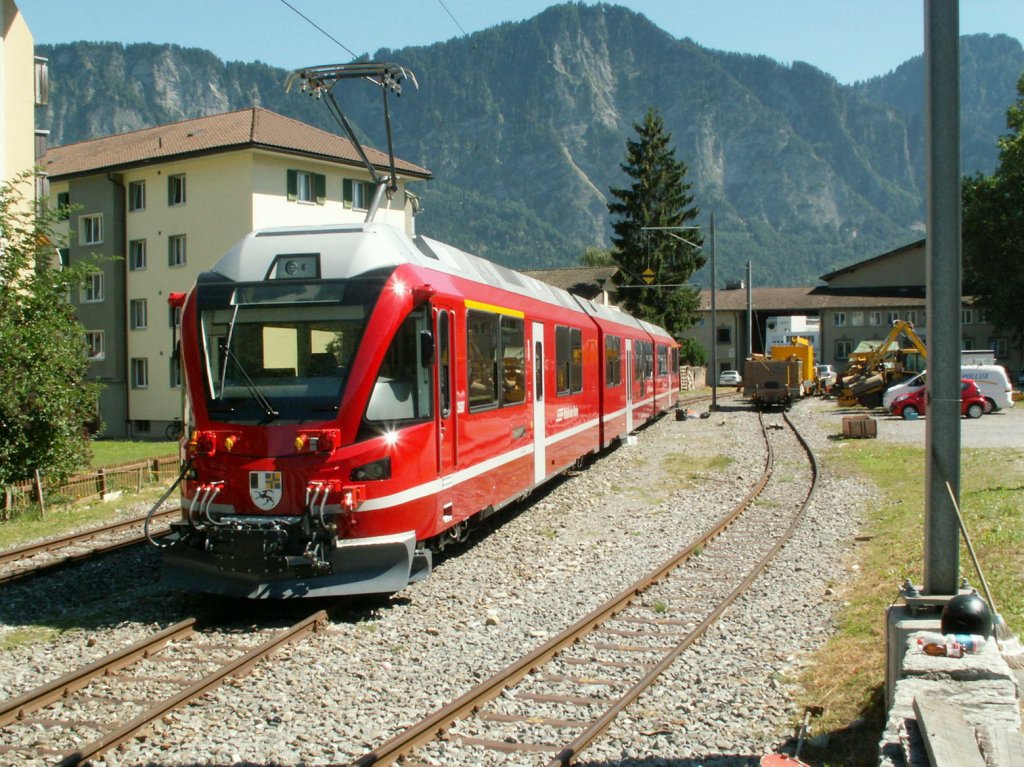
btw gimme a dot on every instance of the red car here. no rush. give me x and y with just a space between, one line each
912 404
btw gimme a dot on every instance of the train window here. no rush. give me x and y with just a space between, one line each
444 368
538 371
612 360
402 391
568 360
281 351
513 356
662 360
482 347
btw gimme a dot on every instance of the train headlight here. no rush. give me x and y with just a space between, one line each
203 443
380 469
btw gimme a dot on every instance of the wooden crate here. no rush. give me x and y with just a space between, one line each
859 426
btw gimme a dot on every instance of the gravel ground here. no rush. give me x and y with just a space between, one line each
391 661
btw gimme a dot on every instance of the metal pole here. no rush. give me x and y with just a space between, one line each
943 259
714 321
750 311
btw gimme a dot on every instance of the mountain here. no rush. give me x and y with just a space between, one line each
524 126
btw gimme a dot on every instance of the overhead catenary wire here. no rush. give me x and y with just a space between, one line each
323 31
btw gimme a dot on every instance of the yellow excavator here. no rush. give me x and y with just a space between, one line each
871 372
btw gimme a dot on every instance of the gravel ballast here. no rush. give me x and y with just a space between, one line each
367 676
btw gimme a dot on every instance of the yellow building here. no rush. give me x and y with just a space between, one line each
162 204
22 86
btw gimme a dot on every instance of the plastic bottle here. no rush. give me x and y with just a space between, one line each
950 645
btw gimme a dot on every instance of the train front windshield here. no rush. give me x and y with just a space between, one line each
281 351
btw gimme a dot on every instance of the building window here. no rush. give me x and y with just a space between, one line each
966 317
175 372
94 344
136 195
137 255
568 360
176 189
63 202
92 293
138 313
140 373
174 316
356 194
91 229
912 317
612 360
998 346
983 317
304 186
176 255
874 319
839 319
723 336
141 427
856 319
924 317
843 350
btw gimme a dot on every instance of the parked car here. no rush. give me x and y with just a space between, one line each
912 404
991 379
826 376
730 378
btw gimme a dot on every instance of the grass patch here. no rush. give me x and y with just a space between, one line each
107 452
847 675
27 636
29 525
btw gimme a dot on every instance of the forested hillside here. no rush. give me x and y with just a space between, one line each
524 128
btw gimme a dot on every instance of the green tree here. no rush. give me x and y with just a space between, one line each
46 403
594 256
993 230
659 196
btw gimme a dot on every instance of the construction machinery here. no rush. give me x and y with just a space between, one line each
874 369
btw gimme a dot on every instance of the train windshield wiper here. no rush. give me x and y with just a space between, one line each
257 395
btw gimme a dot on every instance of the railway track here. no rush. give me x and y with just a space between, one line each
88 711
113 535
552 703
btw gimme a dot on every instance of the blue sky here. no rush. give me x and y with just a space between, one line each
850 39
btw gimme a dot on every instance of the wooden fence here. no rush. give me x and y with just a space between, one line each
98 484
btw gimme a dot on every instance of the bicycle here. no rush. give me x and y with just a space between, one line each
174 430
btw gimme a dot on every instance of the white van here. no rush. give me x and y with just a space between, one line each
991 379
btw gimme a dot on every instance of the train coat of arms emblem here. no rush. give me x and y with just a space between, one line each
265 488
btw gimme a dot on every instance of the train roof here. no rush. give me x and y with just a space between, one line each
349 250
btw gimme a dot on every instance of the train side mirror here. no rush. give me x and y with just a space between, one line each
426 348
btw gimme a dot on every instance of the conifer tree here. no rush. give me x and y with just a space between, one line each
46 403
659 196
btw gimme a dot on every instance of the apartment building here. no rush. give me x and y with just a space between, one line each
857 303
158 206
23 86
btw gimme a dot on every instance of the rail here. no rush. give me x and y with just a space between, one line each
32 707
436 727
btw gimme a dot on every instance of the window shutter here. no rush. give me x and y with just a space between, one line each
321 188
293 185
346 192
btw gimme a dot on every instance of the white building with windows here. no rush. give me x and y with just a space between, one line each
160 205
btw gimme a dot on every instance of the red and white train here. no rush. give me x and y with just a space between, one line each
356 397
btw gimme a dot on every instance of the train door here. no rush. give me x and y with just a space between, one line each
447 433
627 370
539 433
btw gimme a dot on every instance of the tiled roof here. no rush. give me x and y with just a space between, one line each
582 280
245 128
813 298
